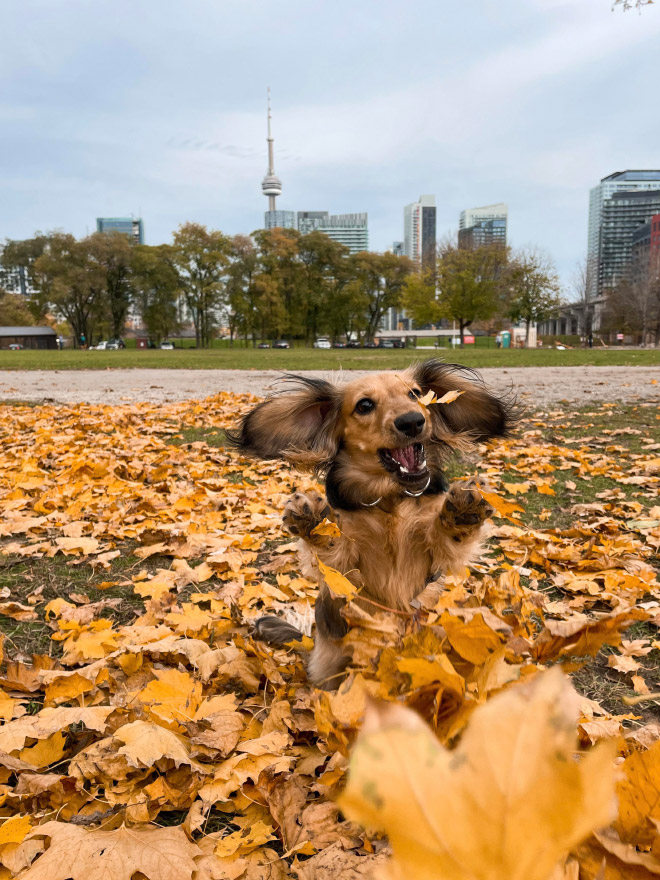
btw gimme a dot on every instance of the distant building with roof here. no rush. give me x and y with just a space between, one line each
483 226
619 204
132 227
28 337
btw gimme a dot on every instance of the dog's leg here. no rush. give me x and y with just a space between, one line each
328 659
464 511
303 512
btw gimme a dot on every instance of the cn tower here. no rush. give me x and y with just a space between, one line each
271 185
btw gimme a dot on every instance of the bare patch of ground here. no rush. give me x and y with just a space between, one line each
534 385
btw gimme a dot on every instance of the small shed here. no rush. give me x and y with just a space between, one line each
28 337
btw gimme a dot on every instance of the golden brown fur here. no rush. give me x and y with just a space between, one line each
381 451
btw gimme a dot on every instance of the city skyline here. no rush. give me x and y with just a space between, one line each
98 117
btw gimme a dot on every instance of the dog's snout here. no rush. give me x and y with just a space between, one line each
410 423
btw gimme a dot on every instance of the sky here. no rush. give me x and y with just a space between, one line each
157 108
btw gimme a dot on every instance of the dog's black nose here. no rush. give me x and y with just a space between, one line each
410 423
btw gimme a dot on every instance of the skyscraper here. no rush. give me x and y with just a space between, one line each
620 181
133 227
351 230
483 226
419 231
271 186
621 217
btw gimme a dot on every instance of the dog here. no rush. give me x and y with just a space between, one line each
380 447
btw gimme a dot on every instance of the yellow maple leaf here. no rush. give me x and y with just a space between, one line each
79 854
502 508
430 398
327 528
338 583
13 830
507 804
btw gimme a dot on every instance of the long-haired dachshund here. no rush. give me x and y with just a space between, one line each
381 451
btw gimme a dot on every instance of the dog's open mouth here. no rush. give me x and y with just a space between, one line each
407 462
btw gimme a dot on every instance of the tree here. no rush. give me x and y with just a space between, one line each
584 284
201 258
632 4
14 311
156 284
281 282
467 286
381 279
242 301
112 253
534 288
323 262
67 281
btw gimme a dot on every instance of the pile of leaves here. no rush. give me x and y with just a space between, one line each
152 735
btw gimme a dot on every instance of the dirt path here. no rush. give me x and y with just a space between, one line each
534 385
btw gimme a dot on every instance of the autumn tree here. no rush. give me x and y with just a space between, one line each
243 295
381 279
281 282
156 285
201 258
22 255
14 310
110 256
69 283
324 273
533 286
467 286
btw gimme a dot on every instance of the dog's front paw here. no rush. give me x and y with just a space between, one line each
464 510
303 512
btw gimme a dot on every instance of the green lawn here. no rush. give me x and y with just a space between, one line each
312 359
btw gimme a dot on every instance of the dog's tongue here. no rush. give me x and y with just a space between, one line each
405 457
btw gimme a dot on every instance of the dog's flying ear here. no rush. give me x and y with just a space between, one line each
298 425
476 412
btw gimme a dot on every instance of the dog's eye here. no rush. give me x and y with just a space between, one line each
364 406
414 393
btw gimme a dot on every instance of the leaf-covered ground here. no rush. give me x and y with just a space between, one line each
145 731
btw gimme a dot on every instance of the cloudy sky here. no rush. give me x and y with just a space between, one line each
157 107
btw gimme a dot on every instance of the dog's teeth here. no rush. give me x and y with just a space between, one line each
423 464
404 469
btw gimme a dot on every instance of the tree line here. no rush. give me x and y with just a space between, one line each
273 284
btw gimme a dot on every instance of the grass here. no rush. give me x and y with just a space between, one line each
590 426
314 359
59 577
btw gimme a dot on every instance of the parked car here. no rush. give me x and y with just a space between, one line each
281 343
264 345
370 345
102 346
353 343
166 345
116 343
339 345
322 342
391 343
15 346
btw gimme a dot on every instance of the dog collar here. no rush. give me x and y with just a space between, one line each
411 494
421 491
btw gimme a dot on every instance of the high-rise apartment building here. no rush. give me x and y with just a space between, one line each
280 220
397 248
621 216
483 226
130 226
419 223
15 279
351 230
605 268
646 250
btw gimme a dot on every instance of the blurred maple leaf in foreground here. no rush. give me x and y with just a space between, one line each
508 804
